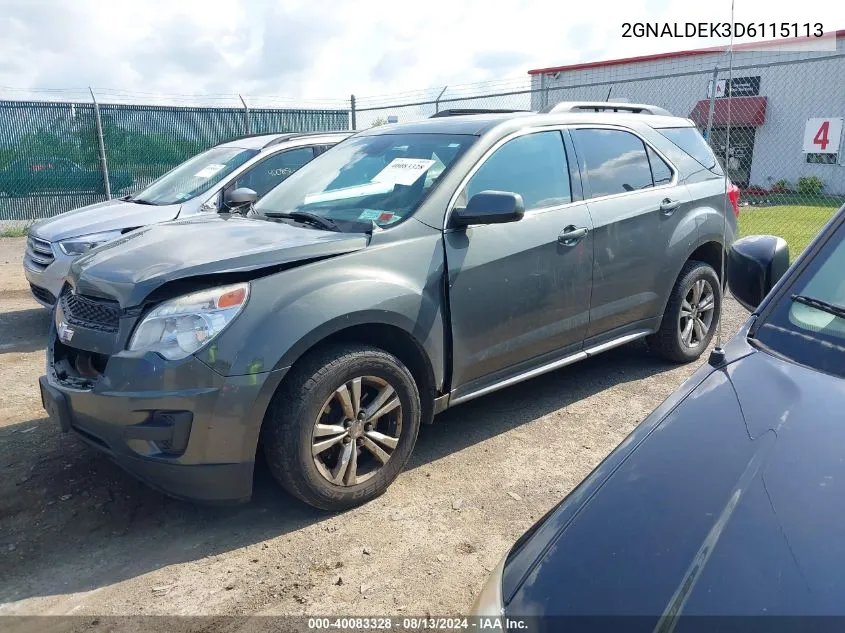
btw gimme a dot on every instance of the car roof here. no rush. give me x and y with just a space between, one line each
477 124
262 141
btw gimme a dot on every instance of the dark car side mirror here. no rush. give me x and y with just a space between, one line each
490 207
240 197
755 264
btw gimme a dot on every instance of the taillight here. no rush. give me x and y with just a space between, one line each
733 196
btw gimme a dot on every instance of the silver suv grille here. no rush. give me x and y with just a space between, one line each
39 253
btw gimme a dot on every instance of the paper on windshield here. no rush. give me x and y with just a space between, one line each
403 171
209 170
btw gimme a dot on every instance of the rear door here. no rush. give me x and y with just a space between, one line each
635 204
519 293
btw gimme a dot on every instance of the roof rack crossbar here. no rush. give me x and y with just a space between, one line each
607 106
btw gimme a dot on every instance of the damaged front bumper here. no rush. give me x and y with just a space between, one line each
177 425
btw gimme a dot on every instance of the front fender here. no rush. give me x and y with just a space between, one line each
290 312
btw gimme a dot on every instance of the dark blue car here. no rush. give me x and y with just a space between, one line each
729 499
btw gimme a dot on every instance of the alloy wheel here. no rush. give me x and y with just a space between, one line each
357 430
697 312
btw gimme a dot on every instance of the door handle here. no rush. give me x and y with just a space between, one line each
571 235
669 206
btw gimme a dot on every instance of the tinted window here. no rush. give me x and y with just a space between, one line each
533 166
689 140
616 161
269 173
660 171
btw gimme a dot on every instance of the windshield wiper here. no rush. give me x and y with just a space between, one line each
820 304
306 217
137 200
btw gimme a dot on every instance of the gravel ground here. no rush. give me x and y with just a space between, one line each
78 536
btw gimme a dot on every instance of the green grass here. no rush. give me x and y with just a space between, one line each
797 224
15 231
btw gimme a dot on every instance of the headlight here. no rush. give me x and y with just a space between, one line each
181 326
84 243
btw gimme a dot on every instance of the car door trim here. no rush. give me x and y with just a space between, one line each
557 364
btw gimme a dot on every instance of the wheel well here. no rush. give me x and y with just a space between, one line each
396 341
710 253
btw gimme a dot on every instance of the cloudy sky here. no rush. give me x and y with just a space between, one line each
327 49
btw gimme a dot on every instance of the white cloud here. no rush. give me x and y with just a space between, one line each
322 49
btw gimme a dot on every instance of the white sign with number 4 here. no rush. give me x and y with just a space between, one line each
822 136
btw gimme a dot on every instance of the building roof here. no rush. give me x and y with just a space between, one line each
676 54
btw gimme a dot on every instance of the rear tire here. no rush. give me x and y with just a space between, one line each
321 442
691 315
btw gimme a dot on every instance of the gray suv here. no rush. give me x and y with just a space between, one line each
406 270
203 183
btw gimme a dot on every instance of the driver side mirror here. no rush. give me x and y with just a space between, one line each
490 207
239 198
755 264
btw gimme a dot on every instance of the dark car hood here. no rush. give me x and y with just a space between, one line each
731 505
131 267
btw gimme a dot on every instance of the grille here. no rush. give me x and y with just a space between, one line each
94 314
39 253
42 294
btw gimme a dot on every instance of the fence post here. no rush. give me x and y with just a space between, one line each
101 145
352 122
712 105
437 100
247 124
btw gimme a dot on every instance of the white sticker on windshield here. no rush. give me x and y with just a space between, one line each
209 170
403 171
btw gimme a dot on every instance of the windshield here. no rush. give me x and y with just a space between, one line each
378 179
807 325
194 176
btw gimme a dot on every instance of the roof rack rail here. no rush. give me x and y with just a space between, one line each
606 106
280 137
463 111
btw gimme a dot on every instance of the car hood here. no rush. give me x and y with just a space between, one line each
109 215
129 268
730 504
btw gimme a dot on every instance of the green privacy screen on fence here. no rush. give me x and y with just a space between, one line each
49 158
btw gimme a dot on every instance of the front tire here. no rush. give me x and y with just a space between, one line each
342 426
691 315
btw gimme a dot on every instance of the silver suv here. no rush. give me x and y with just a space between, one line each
204 183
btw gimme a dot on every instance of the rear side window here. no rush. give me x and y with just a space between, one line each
692 143
660 171
616 161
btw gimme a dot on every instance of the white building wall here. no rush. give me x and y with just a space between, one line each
799 85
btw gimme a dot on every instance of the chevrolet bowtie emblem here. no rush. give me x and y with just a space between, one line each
65 333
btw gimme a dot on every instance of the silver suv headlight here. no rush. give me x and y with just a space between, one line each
181 326
80 245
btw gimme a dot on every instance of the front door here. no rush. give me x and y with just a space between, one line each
519 293
739 153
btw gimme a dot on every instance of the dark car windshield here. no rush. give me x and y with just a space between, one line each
807 324
380 179
195 176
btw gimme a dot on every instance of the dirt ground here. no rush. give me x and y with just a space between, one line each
79 536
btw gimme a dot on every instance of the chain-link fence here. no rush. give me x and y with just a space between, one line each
57 156
773 118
